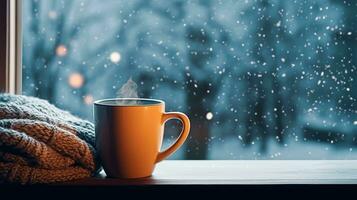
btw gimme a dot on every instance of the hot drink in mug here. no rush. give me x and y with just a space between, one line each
129 134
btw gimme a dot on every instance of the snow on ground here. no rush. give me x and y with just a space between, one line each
233 149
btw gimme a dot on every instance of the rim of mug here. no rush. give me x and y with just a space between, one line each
157 102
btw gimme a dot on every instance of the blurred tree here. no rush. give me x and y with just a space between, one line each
283 49
49 51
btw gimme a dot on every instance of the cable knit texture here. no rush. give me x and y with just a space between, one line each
40 143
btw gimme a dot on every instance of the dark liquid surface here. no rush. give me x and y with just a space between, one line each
130 102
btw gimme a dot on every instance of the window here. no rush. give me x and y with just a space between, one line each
259 79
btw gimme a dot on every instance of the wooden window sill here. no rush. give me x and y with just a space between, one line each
240 172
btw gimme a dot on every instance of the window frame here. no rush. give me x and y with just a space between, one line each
10 46
3 19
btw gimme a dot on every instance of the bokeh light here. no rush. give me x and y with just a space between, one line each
88 99
115 57
76 80
61 50
52 14
209 116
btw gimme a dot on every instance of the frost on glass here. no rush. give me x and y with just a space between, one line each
264 79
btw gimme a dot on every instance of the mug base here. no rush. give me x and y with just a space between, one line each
129 178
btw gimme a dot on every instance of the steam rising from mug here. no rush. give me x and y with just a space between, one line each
128 90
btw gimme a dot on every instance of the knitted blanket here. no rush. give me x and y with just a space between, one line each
40 143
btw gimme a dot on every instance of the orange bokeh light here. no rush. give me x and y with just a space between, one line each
61 50
88 99
76 80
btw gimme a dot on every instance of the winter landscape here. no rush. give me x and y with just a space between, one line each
259 79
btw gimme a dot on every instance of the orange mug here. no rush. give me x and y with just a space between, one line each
129 134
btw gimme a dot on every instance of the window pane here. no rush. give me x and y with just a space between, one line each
263 79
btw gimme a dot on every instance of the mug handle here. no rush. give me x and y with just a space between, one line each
182 137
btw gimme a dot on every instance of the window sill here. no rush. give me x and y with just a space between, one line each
241 172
